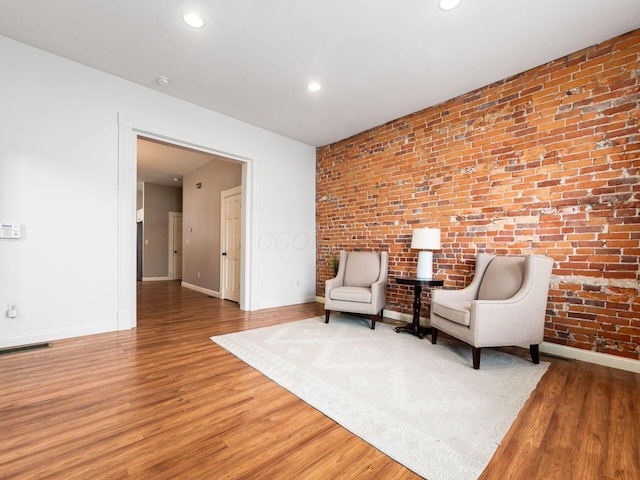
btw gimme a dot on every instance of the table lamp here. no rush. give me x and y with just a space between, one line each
425 240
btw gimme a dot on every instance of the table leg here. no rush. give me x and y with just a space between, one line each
414 328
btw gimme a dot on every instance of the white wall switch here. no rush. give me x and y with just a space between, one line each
12 311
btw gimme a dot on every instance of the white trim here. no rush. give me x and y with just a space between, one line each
404 317
249 277
553 349
127 155
57 334
206 291
128 131
589 356
155 279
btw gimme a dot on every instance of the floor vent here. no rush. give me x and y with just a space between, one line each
24 348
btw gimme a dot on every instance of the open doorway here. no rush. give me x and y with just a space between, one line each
127 179
183 185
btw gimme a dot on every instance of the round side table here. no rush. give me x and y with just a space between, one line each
414 328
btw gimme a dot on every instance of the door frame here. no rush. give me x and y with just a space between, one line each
128 132
171 270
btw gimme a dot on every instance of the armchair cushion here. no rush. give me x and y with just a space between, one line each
351 294
502 279
458 311
360 270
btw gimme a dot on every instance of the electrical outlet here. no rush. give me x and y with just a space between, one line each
12 310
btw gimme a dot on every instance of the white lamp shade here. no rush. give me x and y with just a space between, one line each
426 239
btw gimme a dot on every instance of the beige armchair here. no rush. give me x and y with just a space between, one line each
505 304
360 286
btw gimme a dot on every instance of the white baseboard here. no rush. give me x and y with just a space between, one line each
155 279
51 335
403 317
284 302
554 349
206 291
589 356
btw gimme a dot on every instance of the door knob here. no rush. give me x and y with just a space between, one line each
224 254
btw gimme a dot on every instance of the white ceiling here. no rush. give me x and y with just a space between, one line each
166 164
377 59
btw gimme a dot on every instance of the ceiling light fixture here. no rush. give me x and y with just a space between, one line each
313 86
163 80
193 19
447 5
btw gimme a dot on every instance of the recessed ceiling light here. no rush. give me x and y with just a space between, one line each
313 86
163 80
448 4
193 19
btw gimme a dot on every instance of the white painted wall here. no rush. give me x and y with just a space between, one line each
59 179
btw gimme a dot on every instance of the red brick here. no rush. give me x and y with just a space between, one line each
557 146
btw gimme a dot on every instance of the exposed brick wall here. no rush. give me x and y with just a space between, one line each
544 162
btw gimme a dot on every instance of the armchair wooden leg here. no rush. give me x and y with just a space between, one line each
434 335
476 357
326 316
373 319
535 353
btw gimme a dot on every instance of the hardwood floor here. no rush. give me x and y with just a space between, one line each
163 401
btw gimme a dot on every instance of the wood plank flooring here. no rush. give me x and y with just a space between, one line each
163 401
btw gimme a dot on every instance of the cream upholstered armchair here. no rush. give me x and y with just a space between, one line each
505 304
360 286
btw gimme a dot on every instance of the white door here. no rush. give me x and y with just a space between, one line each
175 246
230 244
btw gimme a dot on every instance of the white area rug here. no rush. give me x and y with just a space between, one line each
421 404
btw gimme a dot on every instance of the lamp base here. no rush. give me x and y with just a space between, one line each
425 264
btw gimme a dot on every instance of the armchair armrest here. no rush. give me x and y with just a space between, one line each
379 287
338 280
506 322
332 283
